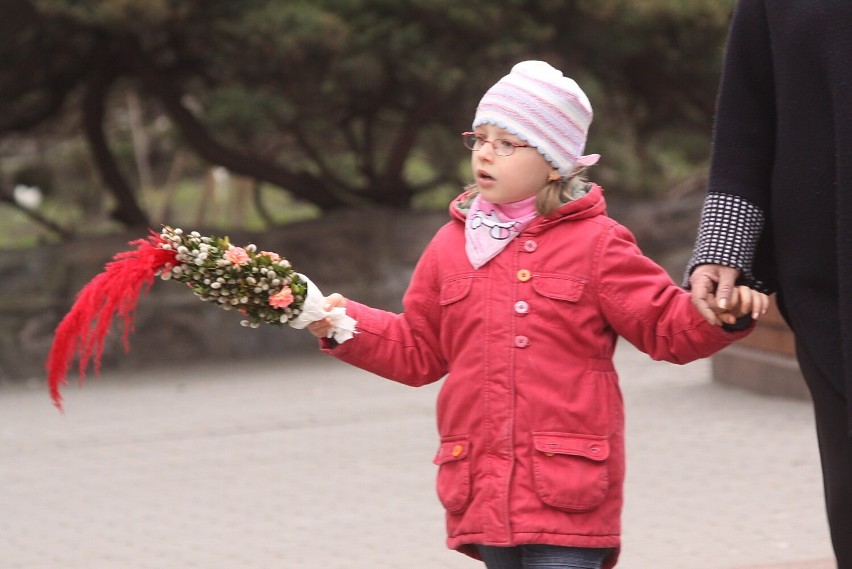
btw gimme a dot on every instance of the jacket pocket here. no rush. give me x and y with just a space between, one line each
571 471
568 289
557 300
454 289
454 473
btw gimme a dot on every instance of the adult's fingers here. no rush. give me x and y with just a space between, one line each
703 285
726 278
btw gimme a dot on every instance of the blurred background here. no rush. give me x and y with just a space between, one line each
326 130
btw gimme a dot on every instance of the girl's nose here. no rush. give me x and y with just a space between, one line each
486 152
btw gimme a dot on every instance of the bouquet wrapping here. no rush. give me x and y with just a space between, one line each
260 284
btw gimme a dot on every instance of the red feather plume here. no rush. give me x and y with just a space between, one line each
115 291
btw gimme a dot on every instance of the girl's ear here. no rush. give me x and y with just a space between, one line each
554 175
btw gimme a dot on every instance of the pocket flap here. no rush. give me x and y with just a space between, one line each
593 447
453 448
560 288
455 290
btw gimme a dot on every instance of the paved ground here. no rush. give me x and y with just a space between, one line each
307 463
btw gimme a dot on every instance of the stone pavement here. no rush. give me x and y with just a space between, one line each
306 463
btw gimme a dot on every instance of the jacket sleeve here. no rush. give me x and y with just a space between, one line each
642 303
732 227
402 347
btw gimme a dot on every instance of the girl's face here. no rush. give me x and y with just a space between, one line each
507 179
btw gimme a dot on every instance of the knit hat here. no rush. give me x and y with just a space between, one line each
549 111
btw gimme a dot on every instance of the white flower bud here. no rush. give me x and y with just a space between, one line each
251 281
178 231
251 247
258 290
216 285
195 234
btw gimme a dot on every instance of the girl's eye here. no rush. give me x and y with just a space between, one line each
504 144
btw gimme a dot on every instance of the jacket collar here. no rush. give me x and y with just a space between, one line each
590 205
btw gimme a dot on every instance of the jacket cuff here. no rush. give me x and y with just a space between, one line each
728 233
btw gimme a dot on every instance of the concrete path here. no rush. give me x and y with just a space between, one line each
306 463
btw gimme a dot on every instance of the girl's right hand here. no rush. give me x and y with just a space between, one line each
321 328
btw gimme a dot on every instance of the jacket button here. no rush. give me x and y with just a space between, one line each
524 275
530 245
457 450
521 307
522 341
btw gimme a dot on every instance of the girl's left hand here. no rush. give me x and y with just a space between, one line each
744 301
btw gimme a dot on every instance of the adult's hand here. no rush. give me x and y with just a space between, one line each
712 286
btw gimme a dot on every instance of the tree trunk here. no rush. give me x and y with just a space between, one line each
128 211
302 185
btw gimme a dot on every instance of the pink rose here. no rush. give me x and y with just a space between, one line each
237 255
281 299
274 256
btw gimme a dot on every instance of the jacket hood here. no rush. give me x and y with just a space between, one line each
590 205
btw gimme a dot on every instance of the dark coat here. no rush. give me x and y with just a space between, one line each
783 145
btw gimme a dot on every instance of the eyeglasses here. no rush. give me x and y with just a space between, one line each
502 147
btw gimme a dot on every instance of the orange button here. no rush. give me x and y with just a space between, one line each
524 275
457 450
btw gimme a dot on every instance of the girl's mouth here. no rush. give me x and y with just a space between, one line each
484 177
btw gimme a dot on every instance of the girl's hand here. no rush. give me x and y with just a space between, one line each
321 328
743 301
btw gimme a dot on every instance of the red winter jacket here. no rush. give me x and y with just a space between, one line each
530 416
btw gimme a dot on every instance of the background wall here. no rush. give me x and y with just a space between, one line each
366 254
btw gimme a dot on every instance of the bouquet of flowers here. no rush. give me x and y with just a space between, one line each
260 284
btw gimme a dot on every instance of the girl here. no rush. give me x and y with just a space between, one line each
519 300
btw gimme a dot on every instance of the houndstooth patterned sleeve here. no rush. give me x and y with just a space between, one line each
727 235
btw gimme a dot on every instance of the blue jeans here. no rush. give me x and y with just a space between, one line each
536 556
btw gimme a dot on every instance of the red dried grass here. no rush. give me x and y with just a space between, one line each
116 290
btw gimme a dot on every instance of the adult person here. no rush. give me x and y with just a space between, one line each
781 175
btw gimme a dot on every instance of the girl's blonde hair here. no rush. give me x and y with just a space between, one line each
559 192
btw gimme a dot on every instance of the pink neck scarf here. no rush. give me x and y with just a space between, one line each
490 227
